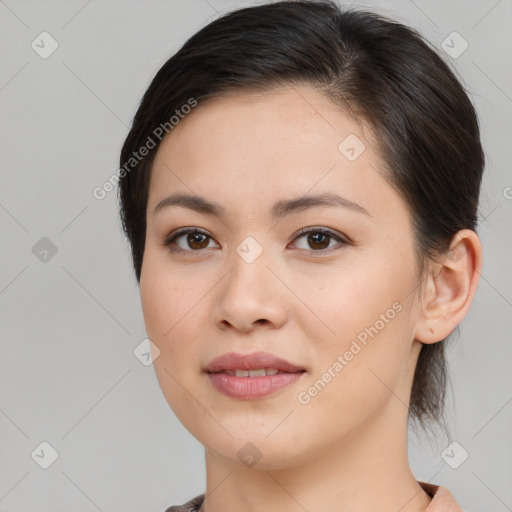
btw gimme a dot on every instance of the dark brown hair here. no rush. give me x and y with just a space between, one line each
372 67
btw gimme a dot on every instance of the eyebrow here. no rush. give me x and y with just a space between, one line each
279 210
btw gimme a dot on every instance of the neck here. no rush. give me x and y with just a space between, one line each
367 470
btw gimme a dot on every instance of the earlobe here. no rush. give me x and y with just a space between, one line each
450 288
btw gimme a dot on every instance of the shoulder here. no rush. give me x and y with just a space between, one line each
193 505
442 499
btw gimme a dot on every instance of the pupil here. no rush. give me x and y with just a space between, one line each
192 239
321 235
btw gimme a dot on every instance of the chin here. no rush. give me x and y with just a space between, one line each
257 452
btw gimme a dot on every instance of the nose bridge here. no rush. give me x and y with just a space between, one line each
251 291
249 263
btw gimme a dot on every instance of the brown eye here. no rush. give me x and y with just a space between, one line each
197 240
318 240
187 240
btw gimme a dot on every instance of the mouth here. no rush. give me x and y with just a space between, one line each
260 372
253 375
256 361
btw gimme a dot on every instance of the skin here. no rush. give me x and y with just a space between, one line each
347 448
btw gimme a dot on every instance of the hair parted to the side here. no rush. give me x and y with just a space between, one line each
374 68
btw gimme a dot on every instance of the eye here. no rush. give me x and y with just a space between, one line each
320 239
196 239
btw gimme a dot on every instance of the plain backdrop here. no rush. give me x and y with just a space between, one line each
70 312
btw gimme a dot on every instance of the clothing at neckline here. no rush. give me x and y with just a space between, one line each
442 501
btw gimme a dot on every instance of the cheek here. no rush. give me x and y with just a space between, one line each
157 314
363 337
165 303
357 376
347 301
164 299
171 303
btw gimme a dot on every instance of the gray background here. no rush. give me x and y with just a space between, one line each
70 324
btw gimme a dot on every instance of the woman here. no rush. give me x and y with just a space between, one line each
300 192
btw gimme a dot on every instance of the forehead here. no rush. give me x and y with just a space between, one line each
246 147
295 125
292 110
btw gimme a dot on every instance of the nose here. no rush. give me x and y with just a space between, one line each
250 295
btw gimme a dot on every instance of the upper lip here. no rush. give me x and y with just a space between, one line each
254 361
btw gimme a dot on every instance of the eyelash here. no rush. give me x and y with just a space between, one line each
305 231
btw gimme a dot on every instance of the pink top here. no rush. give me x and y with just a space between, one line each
442 501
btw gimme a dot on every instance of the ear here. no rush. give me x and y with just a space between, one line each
449 288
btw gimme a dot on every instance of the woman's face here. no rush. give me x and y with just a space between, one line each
337 303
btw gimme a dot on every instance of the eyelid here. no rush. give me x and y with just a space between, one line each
321 229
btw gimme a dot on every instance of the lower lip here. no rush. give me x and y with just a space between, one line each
252 387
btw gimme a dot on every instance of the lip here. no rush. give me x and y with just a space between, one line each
249 388
253 361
